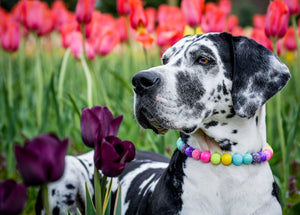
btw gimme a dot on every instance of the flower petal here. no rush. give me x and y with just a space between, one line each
90 127
112 169
128 151
108 152
115 125
57 168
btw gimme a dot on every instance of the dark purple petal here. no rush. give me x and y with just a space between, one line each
128 151
115 125
97 156
98 110
30 166
108 152
42 159
90 127
106 119
12 197
111 169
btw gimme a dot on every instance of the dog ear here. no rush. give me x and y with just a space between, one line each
258 74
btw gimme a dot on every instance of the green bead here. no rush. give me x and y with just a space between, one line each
179 143
247 158
215 158
237 159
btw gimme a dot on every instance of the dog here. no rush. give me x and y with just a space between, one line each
213 89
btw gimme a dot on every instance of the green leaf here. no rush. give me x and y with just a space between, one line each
69 213
75 107
90 208
78 212
122 80
103 185
107 195
107 211
117 208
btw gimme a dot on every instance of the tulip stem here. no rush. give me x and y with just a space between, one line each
10 82
282 143
98 194
82 26
88 81
146 56
21 63
62 76
294 23
39 83
45 199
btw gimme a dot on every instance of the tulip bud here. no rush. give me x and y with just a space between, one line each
10 39
289 40
277 19
123 7
293 5
138 17
84 10
192 11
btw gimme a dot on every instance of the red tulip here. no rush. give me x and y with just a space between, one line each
289 40
10 38
113 155
168 35
92 29
47 22
259 21
237 31
151 15
232 22
60 13
214 18
76 46
107 41
145 38
84 10
259 36
123 7
277 19
225 5
12 197
33 14
42 159
192 10
18 11
293 5
66 31
138 17
121 28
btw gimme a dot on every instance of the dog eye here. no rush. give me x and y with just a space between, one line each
203 60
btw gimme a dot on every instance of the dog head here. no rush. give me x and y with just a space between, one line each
206 75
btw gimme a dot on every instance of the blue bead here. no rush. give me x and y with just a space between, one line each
247 158
263 156
237 159
179 143
189 150
256 158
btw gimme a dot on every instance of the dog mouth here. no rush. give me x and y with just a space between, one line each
148 121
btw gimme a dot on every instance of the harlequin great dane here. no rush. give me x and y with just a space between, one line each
212 88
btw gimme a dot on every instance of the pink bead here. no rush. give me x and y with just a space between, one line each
205 156
268 153
196 154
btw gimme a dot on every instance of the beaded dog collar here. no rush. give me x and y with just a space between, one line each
226 159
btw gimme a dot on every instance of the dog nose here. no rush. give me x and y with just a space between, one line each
145 81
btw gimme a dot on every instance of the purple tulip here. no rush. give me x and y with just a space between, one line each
98 123
113 155
42 159
12 197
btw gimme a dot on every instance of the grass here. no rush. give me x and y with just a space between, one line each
111 75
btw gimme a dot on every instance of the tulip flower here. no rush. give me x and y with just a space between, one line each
84 10
289 39
260 37
225 5
192 10
97 123
113 155
214 19
232 22
151 15
121 28
18 11
33 14
12 197
138 17
77 47
10 39
293 6
60 13
42 159
123 7
47 22
107 41
277 19
66 31
259 21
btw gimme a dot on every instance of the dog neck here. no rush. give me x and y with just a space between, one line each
234 135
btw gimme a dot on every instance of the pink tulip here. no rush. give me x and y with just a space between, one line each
151 15
214 18
259 21
33 15
192 10
289 40
60 13
84 10
76 46
277 19
232 22
293 5
10 39
123 7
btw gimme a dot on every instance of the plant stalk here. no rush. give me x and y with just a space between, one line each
45 199
39 83
88 81
98 194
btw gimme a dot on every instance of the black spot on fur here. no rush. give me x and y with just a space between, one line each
256 120
68 199
223 111
210 124
234 131
225 92
70 186
231 114
212 92
219 87
53 192
275 191
178 62
207 114
224 123
189 88
225 144
55 210
189 130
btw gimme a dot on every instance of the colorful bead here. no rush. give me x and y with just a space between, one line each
179 143
237 159
205 156
196 154
247 158
269 147
268 153
256 158
263 156
183 148
189 150
226 159
215 158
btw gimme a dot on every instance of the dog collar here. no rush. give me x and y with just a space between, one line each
226 159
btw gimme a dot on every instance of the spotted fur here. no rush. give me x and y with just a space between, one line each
212 88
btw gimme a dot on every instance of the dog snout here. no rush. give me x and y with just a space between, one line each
145 81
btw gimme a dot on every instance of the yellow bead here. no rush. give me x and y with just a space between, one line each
226 159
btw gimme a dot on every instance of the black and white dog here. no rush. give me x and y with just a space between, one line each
212 88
